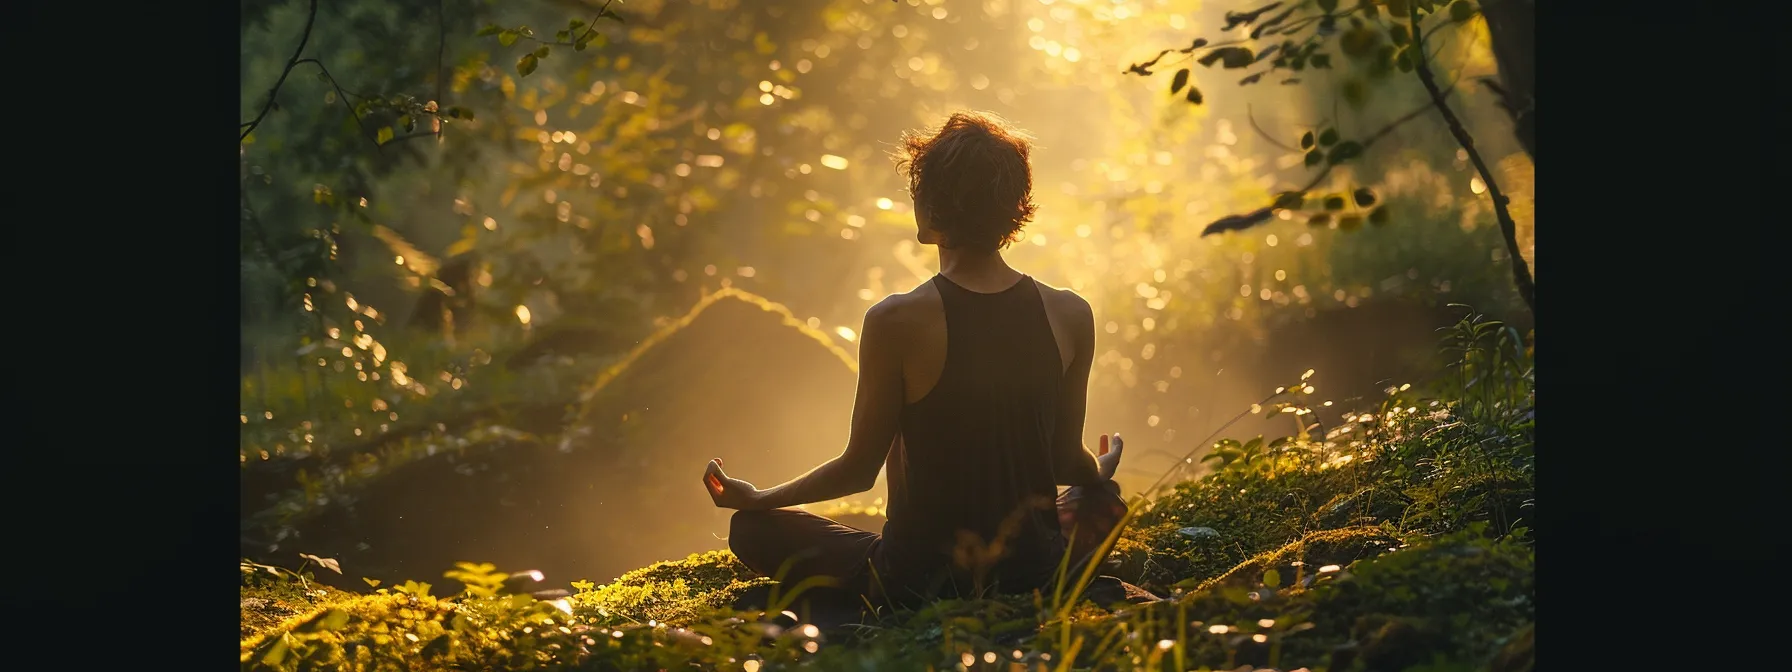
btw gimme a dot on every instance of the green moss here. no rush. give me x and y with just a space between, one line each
1419 573
1300 561
267 600
674 591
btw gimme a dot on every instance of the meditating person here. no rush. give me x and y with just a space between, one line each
971 395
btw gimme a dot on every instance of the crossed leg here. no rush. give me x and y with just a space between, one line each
793 545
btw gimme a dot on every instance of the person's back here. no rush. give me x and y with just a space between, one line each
971 485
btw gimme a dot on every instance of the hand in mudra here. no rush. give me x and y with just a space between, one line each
1108 460
726 492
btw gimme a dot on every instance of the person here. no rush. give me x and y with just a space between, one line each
971 396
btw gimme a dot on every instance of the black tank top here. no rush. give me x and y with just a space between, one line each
970 483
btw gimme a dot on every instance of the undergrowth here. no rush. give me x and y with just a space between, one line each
1398 540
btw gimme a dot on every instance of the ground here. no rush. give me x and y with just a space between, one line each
1397 541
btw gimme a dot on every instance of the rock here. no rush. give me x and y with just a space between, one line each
1199 532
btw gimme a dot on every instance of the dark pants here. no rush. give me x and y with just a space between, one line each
793 545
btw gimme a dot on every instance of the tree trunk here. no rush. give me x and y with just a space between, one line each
1513 26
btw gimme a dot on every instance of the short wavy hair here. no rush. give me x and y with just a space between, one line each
973 178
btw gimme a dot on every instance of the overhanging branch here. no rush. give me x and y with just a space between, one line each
1521 272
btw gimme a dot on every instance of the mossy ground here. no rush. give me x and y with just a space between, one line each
1399 542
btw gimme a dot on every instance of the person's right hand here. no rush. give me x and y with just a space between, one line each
728 493
1108 461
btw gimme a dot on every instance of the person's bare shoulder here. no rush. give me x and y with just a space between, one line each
902 311
1067 303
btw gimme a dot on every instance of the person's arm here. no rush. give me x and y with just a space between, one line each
1072 463
875 422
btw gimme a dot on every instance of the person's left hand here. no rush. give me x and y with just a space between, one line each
1108 461
726 492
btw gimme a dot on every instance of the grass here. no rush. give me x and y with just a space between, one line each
1396 541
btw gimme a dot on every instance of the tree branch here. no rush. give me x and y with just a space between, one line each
1521 272
1258 216
249 126
1266 136
1262 214
341 94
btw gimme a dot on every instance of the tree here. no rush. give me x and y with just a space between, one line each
1384 45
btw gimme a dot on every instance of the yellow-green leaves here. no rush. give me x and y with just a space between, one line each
1462 10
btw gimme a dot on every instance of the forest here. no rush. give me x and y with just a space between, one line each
511 272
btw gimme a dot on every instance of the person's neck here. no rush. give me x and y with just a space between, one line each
977 271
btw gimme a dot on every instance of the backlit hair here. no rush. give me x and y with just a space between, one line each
973 179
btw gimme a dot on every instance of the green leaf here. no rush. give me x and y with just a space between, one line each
1328 137
1364 197
1315 157
542 51
1399 33
1404 60
1462 10
371 583
383 136
1322 61
563 36
1306 140
1345 151
526 31
407 122
1251 79
1194 95
1384 58
489 30
527 64
1356 92
1236 594
1229 57
575 24
1350 222
507 37
1273 578
1319 219
1290 200
1379 216
1334 202
460 113
1179 81
1359 42
275 655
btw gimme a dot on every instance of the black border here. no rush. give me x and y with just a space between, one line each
1659 336
1662 325
122 501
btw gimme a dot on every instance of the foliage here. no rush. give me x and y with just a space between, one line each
677 592
1374 48
1397 541
649 209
